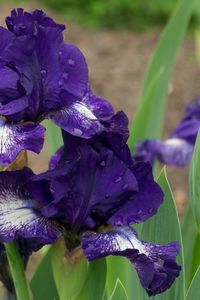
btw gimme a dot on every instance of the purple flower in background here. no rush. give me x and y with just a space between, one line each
178 149
41 76
91 195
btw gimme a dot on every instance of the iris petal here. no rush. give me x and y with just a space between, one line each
77 119
144 203
20 216
174 151
15 138
155 264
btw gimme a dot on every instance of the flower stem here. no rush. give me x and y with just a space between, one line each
17 271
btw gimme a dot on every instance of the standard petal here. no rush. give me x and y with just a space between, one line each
20 215
144 203
155 264
8 84
74 68
6 39
23 23
18 137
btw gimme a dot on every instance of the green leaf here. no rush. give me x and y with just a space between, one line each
54 136
193 292
189 234
149 118
17 271
194 181
164 228
69 271
94 287
119 292
42 283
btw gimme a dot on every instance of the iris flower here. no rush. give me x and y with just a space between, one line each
91 196
42 77
178 149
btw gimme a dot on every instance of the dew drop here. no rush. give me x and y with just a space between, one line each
60 83
71 62
43 72
65 76
151 210
102 163
125 186
60 52
107 196
118 179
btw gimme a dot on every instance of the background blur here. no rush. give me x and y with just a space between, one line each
117 38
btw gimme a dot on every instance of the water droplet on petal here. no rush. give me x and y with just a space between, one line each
60 52
107 196
43 72
151 210
102 163
71 62
118 179
60 83
65 76
125 186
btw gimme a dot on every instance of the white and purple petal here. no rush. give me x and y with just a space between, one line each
155 264
77 119
17 137
20 216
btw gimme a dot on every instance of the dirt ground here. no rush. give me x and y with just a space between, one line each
117 63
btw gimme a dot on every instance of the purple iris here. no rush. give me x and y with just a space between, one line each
41 76
91 195
178 149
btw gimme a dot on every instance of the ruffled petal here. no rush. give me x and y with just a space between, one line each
18 137
95 185
19 214
144 203
155 264
23 23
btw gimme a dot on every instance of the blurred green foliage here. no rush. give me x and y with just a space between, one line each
124 14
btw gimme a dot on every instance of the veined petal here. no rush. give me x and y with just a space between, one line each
18 137
77 119
155 264
20 216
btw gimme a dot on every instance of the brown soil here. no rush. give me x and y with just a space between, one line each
117 63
